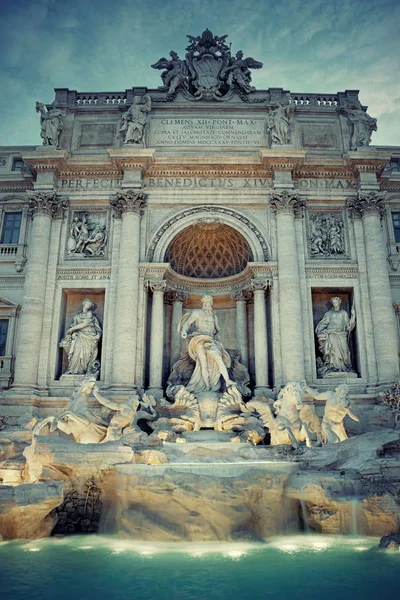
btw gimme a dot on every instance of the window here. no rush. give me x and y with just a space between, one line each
3 336
396 226
11 227
17 164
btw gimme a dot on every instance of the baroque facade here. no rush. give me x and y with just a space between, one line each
139 203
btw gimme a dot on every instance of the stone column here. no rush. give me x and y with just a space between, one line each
129 205
242 338
157 337
286 204
43 206
369 206
260 336
177 312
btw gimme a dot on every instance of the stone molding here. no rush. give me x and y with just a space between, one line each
241 295
46 203
367 203
331 272
128 201
287 202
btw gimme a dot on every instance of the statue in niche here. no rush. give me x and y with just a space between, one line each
87 236
326 235
134 120
333 332
362 126
51 124
278 121
205 348
81 341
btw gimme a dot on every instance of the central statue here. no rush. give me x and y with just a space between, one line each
205 348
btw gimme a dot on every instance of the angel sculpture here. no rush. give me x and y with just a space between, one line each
239 72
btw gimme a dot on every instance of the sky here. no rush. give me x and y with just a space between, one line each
102 45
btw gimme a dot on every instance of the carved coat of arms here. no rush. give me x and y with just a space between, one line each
208 72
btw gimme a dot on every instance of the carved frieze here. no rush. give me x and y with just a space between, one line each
334 272
87 234
326 235
125 201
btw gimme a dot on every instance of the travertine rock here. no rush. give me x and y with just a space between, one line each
25 509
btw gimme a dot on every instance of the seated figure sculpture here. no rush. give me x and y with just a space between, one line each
205 348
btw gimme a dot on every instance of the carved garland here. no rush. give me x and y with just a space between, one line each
212 210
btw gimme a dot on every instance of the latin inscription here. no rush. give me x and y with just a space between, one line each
325 184
207 132
205 182
89 184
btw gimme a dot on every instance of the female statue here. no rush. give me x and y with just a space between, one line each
332 332
81 340
51 124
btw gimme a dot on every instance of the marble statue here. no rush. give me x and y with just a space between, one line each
362 126
87 428
279 120
51 124
78 420
239 72
333 332
209 71
81 341
337 407
294 421
134 120
174 74
87 237
126 414
205 348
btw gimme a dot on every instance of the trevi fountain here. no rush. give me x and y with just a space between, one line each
199 342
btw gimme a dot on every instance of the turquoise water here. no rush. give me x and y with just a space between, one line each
298 567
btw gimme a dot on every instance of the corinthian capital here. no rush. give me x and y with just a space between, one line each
366 203
287 202
46 203
126 201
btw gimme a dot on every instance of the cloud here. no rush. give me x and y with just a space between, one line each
95 45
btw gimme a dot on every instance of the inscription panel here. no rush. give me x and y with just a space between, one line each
198 131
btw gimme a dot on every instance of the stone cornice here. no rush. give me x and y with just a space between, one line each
45 160
282 160
46 203
331 272
366 203
128 201
15 186
131 159
368 161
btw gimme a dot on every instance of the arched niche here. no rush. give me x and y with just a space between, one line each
175 223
